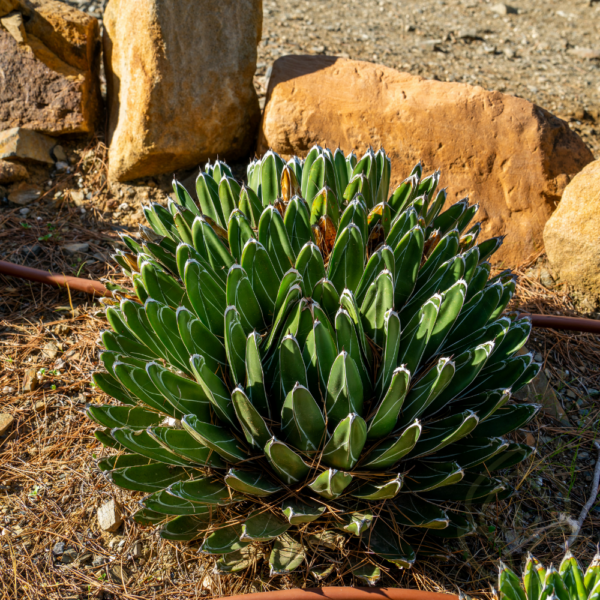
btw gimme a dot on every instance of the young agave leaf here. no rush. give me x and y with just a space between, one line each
160 220
384 171
410 510
379 299
239 294
123 416
185 528
330 484
316 178
119 461
293 297
142 443
344 448
223 541
407 256
348 303
149 478
297 512
209 240
446 431
255 379
433 475
163 503
250 204
384 542
382 259
591 577
185 395
250 482
263 527
204 490
311 157
273 236
417 332
208 195
239 231
263 277
292 366
367 572
388 453
479 280
356 523
181 443
216 438
555 586
346 262
297 224
287 464
229 192
235 344
426 390
325 204
356 214
386 415
359 185
381 491
302 423
344 390
509 584
287 555
255 429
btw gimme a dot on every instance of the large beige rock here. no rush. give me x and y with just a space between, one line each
572 234
49 74
505 153
180 82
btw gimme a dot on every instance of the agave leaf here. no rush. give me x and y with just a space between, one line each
321 572
356 214
348 303
166 504
426 390
472 451
294 296
327 296
181 443
385 542
251 483
223 541
204 491
185 395
356 523
359 184
149 478
402 223
229 192
347 441
198 339
216 438
389 452
184 528
209 240
505 374
459 526
124 345
119 461
235 344
287 555
297 224
344 390
509 584
407 256
471 262
410 510
255 429
269 179
233 562
208 195
161 286
240 294
379 299
319 354
255 386
591 577
325 204
341 171
484 404
347 340
367 572
511 342
472 487
206 295
292 366
381 491
555 586
161 220
346 263
250 205
514 454
104 437
302 423
239 231
184 197
330 484
273 236
263 527
137 322
287 464
142 443
311 157
382 259
479 280
446 431
298 512
386 415
432 475
123 416
263 277
165 258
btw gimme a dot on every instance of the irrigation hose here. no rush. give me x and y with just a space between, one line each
346 593
96 288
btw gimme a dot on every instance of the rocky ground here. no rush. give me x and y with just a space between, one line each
50 543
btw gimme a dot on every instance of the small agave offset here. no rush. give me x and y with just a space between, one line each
309 361
539 583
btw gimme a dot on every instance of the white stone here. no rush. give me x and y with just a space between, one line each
109 516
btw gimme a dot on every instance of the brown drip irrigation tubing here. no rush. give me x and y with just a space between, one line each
95 287
345 593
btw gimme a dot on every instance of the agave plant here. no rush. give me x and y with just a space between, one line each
568 583
310 361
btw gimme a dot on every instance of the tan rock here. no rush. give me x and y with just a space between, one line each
13 23
31 381
6 422
508 155
25 145
176 97
11 172
572 235
50 81
109 516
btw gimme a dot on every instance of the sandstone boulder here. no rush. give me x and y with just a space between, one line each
11 172
508 155
25 145
180 84
572 234
50 73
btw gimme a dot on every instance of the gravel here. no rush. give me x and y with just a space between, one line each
545 51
